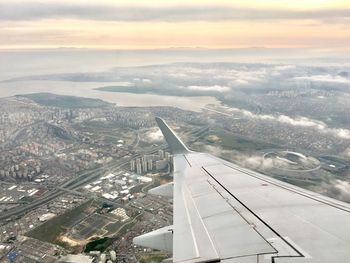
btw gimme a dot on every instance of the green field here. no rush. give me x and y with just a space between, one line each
113 227
229 141
50 230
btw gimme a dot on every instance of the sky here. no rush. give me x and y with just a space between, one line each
144 24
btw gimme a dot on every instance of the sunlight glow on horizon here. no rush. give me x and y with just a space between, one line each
83 29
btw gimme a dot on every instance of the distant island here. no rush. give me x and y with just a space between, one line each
64 101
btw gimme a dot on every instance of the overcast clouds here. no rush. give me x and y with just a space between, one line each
143 24
298 121
10 11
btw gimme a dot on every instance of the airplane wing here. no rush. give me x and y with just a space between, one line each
226 213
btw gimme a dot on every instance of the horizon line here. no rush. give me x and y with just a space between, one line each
104 48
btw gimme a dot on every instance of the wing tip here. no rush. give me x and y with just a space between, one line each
159 121
174 142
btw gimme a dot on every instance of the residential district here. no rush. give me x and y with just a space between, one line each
74 178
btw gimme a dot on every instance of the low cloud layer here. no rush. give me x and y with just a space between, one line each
299 121
347 153
209 88
339 190
155 135
255 162
34 10
246 160
326 78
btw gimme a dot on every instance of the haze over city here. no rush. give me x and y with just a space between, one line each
263 85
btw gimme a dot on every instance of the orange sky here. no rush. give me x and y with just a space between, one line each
162 24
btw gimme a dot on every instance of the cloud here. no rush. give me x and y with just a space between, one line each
285 67
155 135
339 190
246 160
321 126
347 153
255 162
209 88
243 76
301 121
298 121
343 186
33 10
325 78
142 81
215 150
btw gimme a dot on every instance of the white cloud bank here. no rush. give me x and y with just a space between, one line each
21 10
209 88
325 78
344 187
347 152
250 161
299 121
154 135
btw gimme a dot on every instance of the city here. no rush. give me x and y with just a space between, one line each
84 163
75 178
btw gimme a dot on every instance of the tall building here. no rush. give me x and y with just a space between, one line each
132 165
167 156
150 165
153 157
138 168
144 165
138 161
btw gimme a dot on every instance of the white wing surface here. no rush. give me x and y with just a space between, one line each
226 213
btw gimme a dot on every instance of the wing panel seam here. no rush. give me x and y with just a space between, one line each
291 190
259 218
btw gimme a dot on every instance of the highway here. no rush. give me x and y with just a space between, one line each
71 184
75 183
